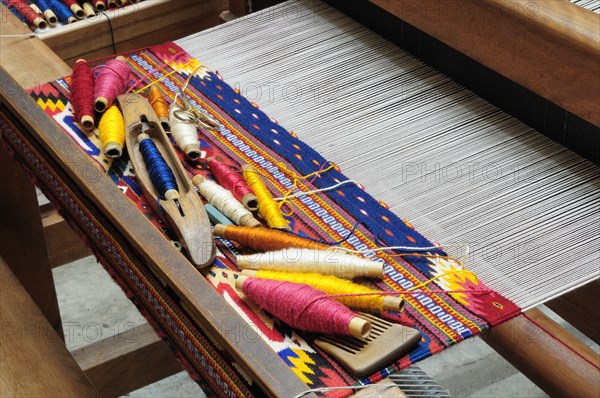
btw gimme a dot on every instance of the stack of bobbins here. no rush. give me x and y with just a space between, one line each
303 307
336 286
31 13
224 202
326 262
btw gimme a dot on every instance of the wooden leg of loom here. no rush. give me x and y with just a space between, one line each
547 354
22 242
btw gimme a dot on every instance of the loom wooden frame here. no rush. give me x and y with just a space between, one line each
576 377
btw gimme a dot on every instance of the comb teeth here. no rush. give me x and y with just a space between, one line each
386 343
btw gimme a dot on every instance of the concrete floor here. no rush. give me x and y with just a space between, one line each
93 307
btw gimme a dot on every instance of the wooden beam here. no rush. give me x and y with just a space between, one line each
547 354
33 360
64 244
550 47
134 26
22 241
127 361
581 308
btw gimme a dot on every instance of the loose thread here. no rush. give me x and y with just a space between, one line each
111 82
82 93
111 130
267 207
315 191
231 180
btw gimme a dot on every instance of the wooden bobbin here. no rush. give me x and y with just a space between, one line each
88 9
390 303
86 121
113 3
50 17
101 103
71 19
100 5
38 21
77 11
357 327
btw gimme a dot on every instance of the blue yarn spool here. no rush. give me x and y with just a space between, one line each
160 173
61 10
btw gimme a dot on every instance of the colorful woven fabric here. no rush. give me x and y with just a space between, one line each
250 136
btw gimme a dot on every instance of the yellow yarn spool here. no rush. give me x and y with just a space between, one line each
112 132
336 286
267 207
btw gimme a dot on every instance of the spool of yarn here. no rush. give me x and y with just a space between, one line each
99 4
111 82
335 286
325 262
82 93
232 180
303 307
160 173
160 106
111 130
185 134
44 9
63 12
75 8
264 239
224 201
30 14
267 207
88 9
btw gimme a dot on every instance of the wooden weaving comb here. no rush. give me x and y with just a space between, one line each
184 211
363 356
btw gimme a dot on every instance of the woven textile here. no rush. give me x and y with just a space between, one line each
249 136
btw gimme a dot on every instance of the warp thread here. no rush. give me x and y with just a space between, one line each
268 209
264 239
224 201
111 82
301 306
348 293
160 173
82 93
325 262
232 180
111 130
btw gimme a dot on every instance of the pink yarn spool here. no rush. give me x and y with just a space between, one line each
111 82
233 181
303 307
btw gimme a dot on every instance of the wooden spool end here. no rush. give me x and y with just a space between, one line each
88 10
40 23
239 282
112 3
142 137
113 149
393 303
100 104
250 202
192 151
198 180
171 194
100 5
219 230
71 19
249 221
77 11
87 122
121 3
359 327
50 17
374 269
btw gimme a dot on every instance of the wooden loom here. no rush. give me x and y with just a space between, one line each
576 377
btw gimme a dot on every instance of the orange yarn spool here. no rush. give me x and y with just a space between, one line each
160 106
264 239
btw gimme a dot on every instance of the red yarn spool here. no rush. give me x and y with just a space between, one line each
82 93
303 307
233 181
111 82
34 18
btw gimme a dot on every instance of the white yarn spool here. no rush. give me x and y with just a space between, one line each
224 201
184 133
324 262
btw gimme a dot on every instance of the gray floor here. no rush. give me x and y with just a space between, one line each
93 307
